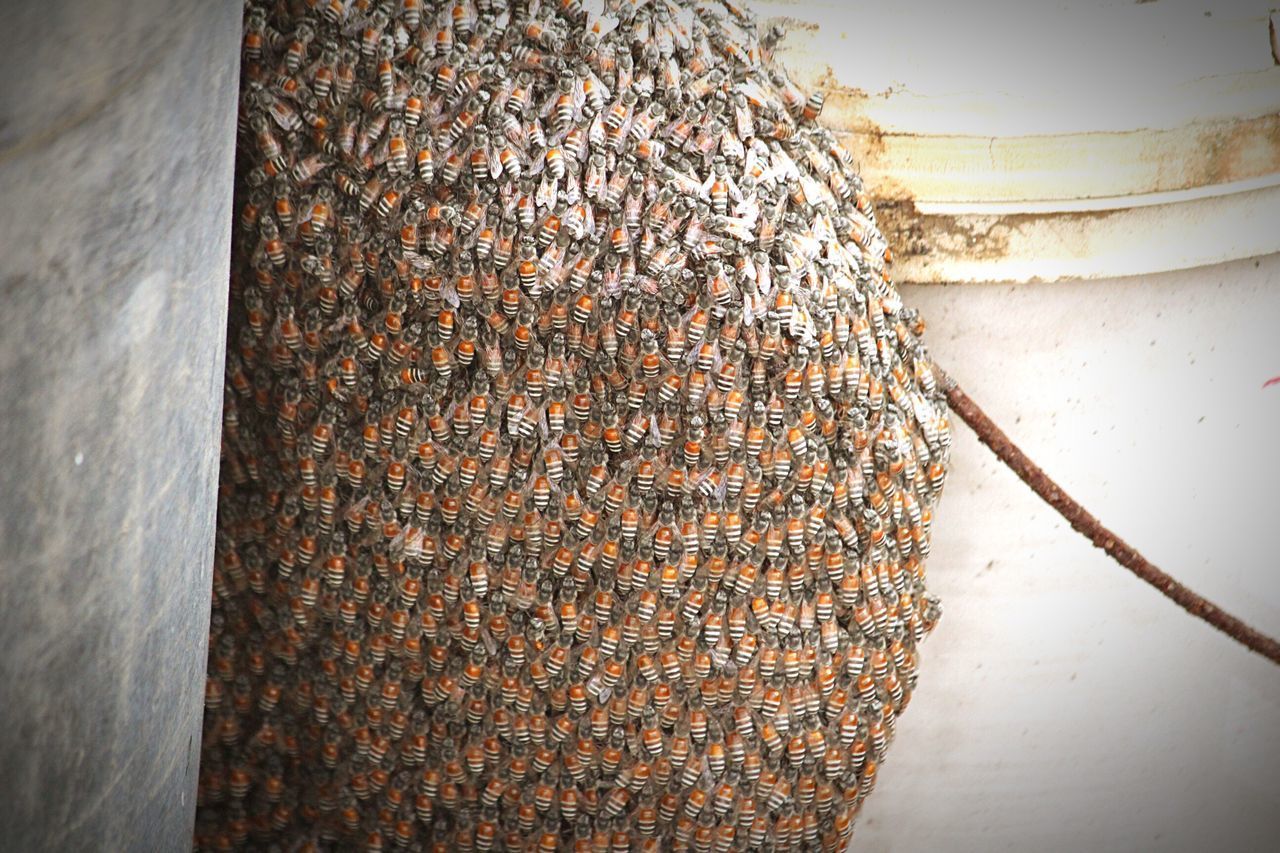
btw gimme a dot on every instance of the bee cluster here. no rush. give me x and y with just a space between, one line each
579 455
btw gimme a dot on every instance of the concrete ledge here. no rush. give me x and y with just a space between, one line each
1019 142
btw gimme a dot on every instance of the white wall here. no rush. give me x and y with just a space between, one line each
1064 705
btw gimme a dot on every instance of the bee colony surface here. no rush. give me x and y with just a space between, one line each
579 456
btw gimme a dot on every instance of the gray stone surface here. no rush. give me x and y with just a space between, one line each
116 153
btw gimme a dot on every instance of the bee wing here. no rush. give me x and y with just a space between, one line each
788 166
704 189
749 210
572 188
599 21
816 193
769 176
450 294
753 304
802 325
654 433
742 116
283 114
686 185
405 539
823 230
605 92
732 148
594 185
546 194
595 132
754 93
742 229
682 19
735 192
537 164
503 94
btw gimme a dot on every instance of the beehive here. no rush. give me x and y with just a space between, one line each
579 454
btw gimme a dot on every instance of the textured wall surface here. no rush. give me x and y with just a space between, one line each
116 144
1064 705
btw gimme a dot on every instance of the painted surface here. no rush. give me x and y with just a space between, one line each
1034 141
1064 705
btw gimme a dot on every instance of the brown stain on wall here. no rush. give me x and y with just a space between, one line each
1234 150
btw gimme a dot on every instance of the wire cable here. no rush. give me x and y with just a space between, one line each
1089 526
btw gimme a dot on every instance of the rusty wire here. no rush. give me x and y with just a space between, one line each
1089 526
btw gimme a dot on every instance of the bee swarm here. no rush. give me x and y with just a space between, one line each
579 457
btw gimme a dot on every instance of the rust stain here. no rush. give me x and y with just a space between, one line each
1231 150
917 235
982 239
938 239
904 227
1202 154
1240 149
798 24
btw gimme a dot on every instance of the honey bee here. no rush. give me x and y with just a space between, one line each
580 459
